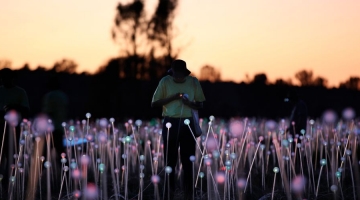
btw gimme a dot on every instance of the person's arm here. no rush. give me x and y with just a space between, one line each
166 100
193 105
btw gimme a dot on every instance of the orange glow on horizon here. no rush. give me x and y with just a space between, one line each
278 38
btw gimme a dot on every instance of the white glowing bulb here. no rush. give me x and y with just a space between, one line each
168 125
186 121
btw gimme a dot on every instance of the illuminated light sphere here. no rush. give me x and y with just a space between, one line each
207 162
124 156
12 179
342 159
101 167
168 169
348 113
261 138
312 122
211 144
91 191
323 162
228 163
142 167
270 124
128 139
138 122
40 124
66 168
201 174
338 174
285 143
85 160
77 194
329 116
12 117
63 155
112 120
276 170
186 121
216 154
233 156
103 122
142 157
37 139
47 164
88 115
211 118
302 131
25 133
290 139
220 177
298 184
141 175
236 128
333 188
168 125
192 158
63 160
241 183
228 145
155 179
73 165
130 121
102 137
42 158
348 152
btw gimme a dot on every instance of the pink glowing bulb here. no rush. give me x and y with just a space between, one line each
91 191
220 177
298 184
155 179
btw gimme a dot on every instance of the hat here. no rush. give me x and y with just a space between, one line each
178 68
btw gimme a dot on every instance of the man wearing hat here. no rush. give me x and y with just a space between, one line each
178 93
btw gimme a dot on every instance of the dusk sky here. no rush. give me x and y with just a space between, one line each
238 37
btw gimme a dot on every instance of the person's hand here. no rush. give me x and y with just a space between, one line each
177 96
186 101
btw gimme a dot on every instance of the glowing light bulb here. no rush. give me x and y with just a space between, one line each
276 170
186 121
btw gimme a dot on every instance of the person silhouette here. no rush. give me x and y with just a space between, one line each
55 106
177 94
299 113
12 98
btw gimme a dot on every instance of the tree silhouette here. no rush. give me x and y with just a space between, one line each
259 79
160 29
145 42
209 73
352 83
306 78
130 24
282 82
5 64
65 65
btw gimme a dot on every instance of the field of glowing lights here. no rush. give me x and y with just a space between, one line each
239 158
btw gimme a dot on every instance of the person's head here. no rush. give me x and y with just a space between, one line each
7 77
178 70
